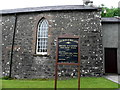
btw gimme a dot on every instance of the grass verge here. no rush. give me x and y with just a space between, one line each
85 82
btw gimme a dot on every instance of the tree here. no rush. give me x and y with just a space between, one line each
109 12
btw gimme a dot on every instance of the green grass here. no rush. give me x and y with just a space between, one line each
86 82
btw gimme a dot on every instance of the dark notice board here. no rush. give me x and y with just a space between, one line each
67 53
68 50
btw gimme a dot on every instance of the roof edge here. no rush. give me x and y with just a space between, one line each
48 8
110 20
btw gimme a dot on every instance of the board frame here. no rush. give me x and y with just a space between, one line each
67 63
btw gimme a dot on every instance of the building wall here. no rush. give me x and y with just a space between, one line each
111 38
0 50
118 49
27 64
110 35
7 37
119 4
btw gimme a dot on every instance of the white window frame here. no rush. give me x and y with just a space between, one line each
42 37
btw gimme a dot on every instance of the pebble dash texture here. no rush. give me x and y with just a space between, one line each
27 64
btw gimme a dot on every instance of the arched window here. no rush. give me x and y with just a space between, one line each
42 37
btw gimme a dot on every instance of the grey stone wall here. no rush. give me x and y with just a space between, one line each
7 37
0 51
27 64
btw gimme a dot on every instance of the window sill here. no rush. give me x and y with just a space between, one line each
41 55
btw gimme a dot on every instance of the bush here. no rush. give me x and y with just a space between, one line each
7 78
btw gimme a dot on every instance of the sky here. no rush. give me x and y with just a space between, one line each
13 4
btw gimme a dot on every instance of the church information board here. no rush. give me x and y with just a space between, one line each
68 50
67 53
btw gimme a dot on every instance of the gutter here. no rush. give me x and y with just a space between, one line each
12 49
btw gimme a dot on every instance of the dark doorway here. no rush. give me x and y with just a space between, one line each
110 60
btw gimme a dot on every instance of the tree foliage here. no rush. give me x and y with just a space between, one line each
109 12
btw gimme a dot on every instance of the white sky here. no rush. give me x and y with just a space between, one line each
12 4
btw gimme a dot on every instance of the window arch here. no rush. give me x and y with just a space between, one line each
42 37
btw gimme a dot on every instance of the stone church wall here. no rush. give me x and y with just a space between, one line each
27 64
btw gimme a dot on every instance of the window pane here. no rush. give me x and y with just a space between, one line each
42 36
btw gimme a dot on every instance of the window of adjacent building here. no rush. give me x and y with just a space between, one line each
42 37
